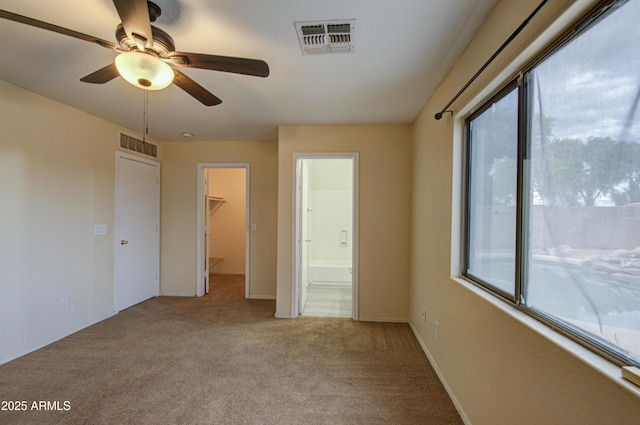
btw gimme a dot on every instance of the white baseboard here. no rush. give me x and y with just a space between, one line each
383 319
262 297
177 294
456 403
51 341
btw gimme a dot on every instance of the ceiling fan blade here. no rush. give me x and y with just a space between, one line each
196 90
55 28
101 76
134 15
254 67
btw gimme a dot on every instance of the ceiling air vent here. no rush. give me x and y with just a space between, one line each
136 145
326 37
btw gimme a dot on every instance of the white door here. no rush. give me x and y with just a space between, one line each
305 241
137 230
206 212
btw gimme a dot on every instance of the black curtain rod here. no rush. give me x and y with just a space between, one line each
505 44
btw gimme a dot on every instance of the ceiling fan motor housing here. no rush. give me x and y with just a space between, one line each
163 44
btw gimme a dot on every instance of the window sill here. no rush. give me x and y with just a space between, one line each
598 363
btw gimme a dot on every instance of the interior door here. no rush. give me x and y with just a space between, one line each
137 230
206 212
305 243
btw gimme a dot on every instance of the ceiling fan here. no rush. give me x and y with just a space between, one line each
147 56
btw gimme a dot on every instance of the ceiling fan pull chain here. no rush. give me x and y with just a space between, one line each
145 131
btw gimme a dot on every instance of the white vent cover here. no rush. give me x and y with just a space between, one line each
326 37
136 145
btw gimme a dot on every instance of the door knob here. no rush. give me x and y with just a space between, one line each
123 242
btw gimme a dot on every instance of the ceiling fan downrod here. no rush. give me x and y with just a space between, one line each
154 11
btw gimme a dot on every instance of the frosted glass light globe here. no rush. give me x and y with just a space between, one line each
144 71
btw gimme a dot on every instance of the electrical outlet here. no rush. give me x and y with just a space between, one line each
424 314
436 330
64 304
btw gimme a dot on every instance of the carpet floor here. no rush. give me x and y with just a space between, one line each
222 359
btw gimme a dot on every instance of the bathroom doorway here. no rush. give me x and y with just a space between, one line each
325 277
223 217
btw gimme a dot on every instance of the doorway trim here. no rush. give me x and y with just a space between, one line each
295 225
200 222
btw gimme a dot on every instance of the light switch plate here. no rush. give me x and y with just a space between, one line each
100 229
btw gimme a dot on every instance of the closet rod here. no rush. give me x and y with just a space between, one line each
505 44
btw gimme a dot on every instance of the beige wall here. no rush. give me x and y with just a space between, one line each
499 366
178 212
57 179
385 181
227 220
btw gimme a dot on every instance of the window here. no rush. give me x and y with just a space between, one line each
492 193
553 186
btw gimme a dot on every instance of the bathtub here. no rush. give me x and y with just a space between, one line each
332 272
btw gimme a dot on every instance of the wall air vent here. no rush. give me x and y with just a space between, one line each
326 37
136 145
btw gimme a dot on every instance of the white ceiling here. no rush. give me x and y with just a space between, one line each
404 48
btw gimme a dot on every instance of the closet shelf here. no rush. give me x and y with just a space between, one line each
215 202
215 262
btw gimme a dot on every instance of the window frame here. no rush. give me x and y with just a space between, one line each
505 90
521 83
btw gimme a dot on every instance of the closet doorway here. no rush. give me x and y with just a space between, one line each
223 223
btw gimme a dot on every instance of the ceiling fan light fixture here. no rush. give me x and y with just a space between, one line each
144 70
